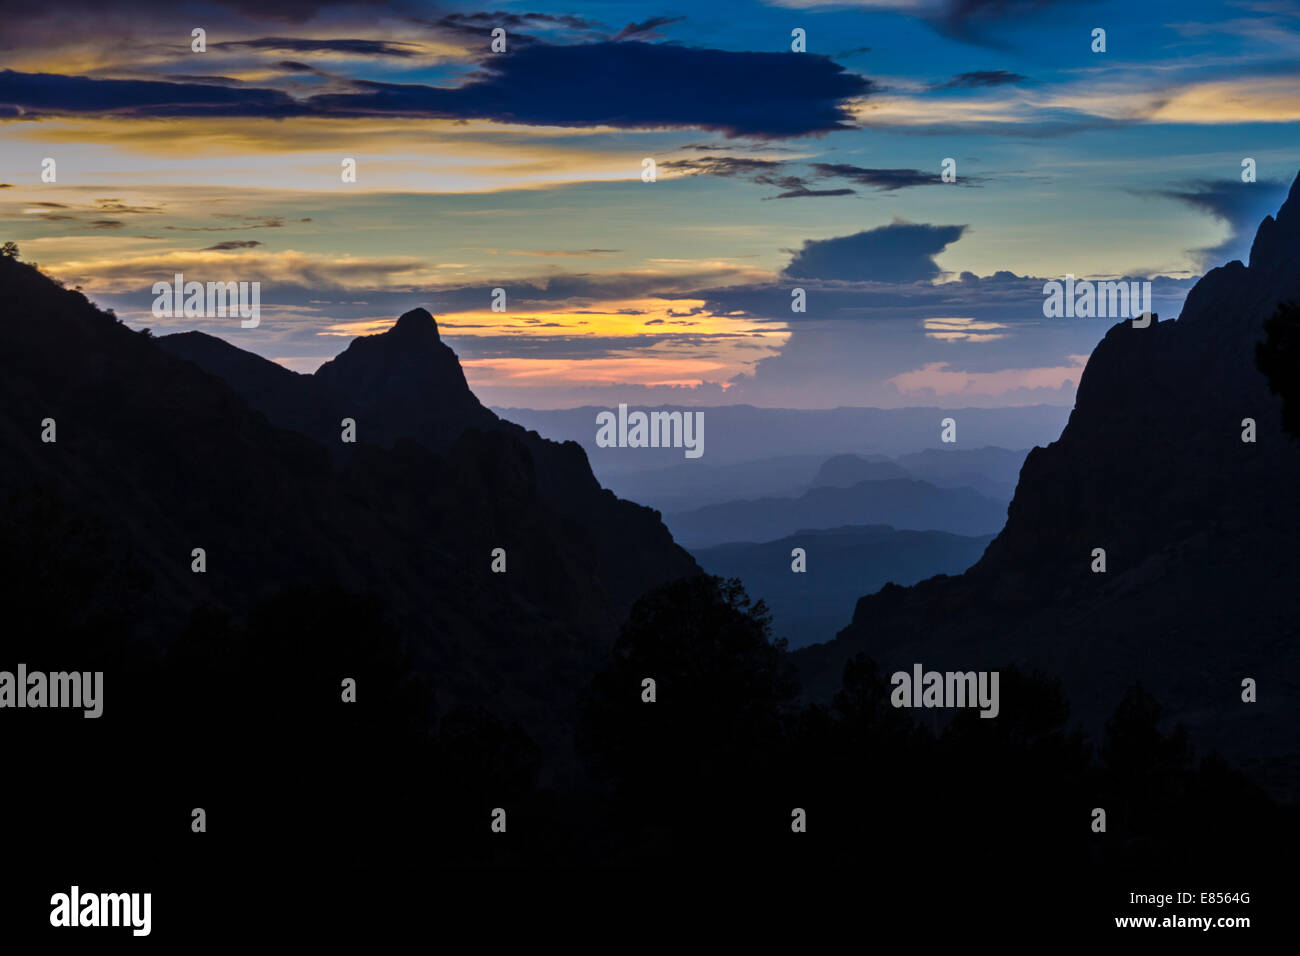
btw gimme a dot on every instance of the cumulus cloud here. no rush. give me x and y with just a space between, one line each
901 252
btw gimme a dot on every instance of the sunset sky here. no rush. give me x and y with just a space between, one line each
775 169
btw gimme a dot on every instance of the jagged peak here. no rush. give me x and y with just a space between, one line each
1278 236
1292 205
410 342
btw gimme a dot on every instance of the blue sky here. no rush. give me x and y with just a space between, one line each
522 170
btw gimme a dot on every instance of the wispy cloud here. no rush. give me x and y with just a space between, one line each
231 245
980 79
350 46
799 179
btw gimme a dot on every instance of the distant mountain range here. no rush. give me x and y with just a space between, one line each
1199 529
842 471
841 563
740 433
733 538
687 487
990 471
694 484
903 503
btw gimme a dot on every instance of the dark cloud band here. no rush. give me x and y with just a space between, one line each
631 85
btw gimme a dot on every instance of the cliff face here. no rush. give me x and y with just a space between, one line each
1152 453
1199 529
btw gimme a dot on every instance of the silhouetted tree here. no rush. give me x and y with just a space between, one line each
725 691
1147 770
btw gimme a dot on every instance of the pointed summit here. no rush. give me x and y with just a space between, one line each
407 383
1278 237
417 322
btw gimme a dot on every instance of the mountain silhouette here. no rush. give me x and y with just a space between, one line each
406 383
989 471
1198 526
900 502
841 563
694 484
841 471
167 457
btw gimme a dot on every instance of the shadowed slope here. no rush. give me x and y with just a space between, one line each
405 383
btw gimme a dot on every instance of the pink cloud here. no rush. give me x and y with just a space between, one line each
938 378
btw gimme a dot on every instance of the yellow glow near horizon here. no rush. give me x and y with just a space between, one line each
718 347
603 371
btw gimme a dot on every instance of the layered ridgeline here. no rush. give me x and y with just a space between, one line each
841 562
903 503
1199 528
153 457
